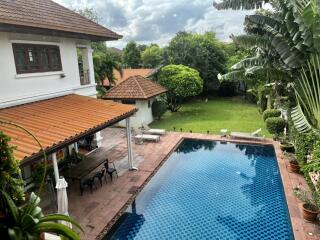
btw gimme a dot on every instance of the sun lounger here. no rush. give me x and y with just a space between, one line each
250 136
155 131
145 129
147 137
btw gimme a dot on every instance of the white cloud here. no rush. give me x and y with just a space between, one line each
147 21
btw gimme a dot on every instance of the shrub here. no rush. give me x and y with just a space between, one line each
10 180
181 82
271 113
275 125
158 109
305 143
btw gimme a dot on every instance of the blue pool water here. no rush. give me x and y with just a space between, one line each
211 190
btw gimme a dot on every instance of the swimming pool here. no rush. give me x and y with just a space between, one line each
210 190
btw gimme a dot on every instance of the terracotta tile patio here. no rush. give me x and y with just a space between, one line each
96 212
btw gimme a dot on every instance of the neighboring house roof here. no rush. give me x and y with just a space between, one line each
136 87
128 72
58 121
16 15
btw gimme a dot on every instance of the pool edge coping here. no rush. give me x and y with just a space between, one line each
296 219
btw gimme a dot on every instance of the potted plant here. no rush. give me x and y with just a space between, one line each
293 162
28 222
311 203
286 145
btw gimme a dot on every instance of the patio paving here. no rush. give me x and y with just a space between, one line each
97 211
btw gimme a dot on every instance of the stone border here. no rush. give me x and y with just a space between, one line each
289 181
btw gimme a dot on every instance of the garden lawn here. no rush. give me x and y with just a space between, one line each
233 114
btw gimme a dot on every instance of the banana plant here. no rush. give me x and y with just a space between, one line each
27 222
240 4
306 115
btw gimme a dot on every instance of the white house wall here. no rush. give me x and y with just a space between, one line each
142 116
17 89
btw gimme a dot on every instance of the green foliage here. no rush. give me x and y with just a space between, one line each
239 4
27 222
202 52
131 55
314 164
262 98
181 82
105 62
312 199
152 56
275 125
304 143
306 116
10 180
158 109
271 113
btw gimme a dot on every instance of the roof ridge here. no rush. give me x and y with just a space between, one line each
85 18
135 77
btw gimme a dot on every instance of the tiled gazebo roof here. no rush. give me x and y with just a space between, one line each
135 88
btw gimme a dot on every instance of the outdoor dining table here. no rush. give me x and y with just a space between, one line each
91 161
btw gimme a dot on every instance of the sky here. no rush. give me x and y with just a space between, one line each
157 21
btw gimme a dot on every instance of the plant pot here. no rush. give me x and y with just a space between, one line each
294 167
309 212
41 237
287 147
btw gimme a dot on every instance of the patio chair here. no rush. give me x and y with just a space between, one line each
87 182
99 175
110 170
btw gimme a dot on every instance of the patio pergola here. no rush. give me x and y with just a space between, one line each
60 122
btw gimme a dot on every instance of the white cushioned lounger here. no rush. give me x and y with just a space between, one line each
148 137
156 131
247 136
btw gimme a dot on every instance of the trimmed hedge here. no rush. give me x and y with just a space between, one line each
275 125
271 113
158 109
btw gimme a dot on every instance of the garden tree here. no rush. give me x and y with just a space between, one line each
152 56
201 52
282 40
131 55
104 65
181 82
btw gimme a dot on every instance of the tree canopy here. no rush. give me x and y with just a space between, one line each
181 82
132 55
199 51
152 56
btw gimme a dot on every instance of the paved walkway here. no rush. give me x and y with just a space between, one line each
97 211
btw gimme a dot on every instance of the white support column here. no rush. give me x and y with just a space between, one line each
55 166
98 139
130 159
76 147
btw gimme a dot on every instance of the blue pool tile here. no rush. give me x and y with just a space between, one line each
210 190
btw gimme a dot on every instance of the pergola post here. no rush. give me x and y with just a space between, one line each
130 160
55 167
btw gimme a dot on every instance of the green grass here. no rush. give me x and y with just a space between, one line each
233 114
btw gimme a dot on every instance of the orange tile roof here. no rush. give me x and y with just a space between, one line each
128 72
58 121
136 87
46 14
